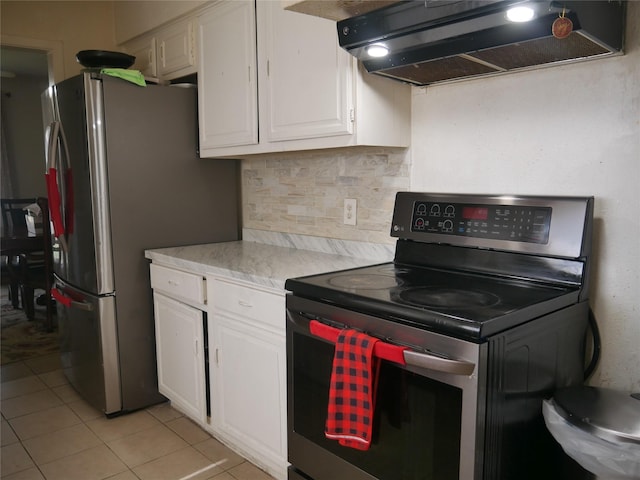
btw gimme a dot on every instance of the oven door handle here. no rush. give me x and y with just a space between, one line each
438 364
411 357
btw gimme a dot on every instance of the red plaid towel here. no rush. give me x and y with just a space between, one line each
352 390
382 350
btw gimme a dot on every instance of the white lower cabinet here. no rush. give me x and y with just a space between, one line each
234 331
180 341
248 371
179 346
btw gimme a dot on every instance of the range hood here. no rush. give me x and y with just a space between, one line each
432 41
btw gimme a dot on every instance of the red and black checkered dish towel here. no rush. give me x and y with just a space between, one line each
352 391
354 379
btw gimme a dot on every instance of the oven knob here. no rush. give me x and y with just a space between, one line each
449 211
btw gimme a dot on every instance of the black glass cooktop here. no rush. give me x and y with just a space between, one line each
465 305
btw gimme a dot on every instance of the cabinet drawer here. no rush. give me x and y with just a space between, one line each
261 306
175 283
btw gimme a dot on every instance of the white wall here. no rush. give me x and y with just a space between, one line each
133 18
569 130
77 25
24 133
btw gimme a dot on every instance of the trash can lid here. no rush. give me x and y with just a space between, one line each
609 414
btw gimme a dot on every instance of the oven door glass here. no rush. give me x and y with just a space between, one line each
417 423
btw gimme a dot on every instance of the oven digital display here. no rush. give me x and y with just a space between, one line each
475 213
499 222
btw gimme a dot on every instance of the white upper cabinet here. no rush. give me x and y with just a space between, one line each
305 76
168 52
177 49
144 49
311 93
227 77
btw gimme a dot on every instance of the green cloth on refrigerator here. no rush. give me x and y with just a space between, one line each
133 76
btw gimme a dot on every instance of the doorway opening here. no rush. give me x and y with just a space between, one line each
25 75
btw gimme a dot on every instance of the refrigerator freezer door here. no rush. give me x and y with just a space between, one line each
88 344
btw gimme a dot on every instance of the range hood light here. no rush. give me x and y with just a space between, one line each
520 14
377 50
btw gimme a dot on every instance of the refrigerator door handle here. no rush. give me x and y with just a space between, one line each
68 302
54 133
52 182
53 190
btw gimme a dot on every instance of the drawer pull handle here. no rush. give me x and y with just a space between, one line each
173 282
243 303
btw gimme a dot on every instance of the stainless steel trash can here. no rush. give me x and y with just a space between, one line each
597 427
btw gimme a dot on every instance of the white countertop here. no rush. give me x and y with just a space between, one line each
259 263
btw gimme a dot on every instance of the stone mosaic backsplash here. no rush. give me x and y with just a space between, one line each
303 192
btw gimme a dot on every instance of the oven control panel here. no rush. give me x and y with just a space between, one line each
501 222
539 225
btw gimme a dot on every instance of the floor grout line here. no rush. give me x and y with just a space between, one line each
156 415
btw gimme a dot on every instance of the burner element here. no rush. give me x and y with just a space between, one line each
448 298
364 282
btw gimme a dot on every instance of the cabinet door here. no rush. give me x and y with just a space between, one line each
176 49
180 355
227 78
305 77
249 379
144 49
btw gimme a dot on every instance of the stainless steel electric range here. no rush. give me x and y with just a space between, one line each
490 296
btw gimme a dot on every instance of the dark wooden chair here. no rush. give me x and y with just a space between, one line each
33 269
13 214
14 223
39 274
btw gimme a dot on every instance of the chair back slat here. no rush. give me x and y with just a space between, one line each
14 218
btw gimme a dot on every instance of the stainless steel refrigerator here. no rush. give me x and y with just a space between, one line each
123 175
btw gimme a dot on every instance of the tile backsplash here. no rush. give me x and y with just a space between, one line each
304 192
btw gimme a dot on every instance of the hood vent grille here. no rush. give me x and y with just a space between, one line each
460 51
496 60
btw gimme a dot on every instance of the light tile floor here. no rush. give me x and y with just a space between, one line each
50 433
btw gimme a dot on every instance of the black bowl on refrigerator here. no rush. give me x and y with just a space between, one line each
104 59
